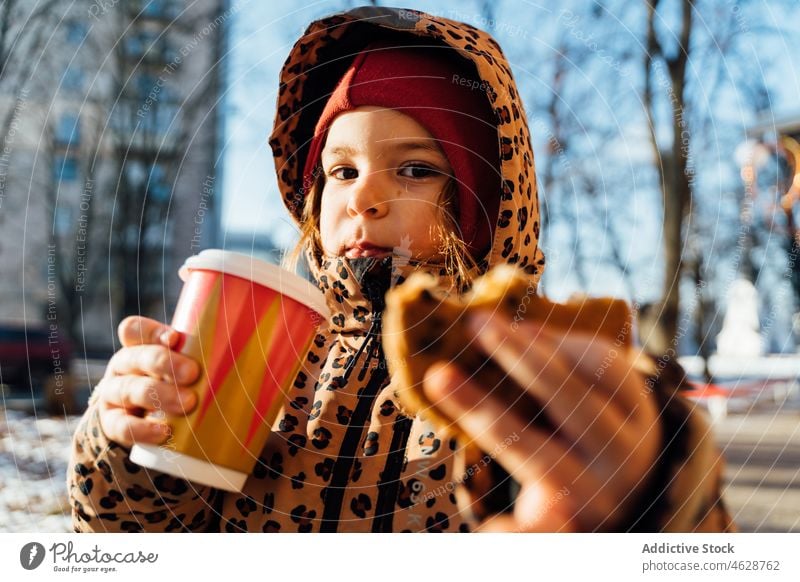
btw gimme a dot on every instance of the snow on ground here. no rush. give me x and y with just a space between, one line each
34 453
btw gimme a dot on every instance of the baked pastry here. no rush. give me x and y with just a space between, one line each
422 325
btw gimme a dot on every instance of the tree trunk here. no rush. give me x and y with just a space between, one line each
659 324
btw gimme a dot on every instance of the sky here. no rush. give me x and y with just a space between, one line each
261 37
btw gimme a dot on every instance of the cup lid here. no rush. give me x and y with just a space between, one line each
260 272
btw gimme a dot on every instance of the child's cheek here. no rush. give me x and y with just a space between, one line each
331 221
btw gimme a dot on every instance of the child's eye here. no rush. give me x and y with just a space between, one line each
344 173
418 171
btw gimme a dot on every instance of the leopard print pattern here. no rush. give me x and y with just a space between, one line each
341 455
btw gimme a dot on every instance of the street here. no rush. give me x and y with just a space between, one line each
762 451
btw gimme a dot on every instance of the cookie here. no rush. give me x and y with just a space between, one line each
423 324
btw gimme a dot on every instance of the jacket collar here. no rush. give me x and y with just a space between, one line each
355 288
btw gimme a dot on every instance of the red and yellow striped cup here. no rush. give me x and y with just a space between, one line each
249 324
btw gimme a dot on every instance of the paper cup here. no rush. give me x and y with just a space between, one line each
249 324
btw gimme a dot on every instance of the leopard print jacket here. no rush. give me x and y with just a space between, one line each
342 456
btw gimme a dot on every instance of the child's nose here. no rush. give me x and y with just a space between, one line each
369 196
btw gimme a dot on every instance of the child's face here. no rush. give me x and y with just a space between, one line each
384 174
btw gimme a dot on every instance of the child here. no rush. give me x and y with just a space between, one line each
401 144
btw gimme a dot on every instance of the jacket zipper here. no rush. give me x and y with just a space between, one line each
333 494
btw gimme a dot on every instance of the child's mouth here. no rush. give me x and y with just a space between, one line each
366 249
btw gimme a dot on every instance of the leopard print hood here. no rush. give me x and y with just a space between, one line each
320 57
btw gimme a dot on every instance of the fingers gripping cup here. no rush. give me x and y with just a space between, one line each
249 324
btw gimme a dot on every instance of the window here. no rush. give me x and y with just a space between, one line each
148 84
136 173
73 80
165 119
160 8
158 186
76 31
123 116
67 131
66 168
62 221
138 43
170 53
150 44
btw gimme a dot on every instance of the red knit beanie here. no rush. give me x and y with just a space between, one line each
442 96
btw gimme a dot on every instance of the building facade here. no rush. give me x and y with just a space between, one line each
110 162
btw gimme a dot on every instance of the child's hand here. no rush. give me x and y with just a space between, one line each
142 383
587 475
